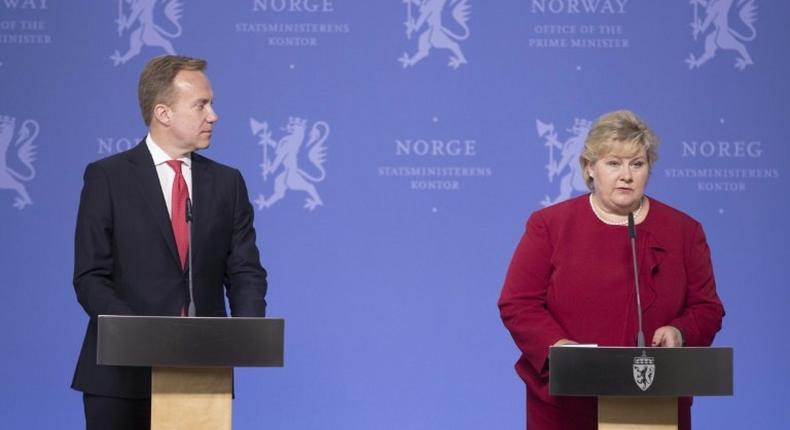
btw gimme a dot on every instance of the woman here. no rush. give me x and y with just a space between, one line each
571 279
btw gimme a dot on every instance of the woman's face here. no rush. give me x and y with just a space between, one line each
619 179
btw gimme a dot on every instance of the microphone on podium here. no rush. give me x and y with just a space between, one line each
640 337
191 308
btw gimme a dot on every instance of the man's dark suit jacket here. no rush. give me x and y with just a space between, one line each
126 261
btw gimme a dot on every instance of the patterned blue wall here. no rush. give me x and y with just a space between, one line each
439 125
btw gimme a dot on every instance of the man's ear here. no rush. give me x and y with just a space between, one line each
162 114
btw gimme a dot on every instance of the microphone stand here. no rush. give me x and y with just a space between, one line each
191 309
640 337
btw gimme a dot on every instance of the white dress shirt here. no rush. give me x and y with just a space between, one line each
166 173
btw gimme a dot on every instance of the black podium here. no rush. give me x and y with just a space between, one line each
191 360
638 388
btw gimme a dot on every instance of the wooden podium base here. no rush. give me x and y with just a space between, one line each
191 398
637 413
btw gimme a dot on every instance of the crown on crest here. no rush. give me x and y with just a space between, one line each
644 359
295 120
582 123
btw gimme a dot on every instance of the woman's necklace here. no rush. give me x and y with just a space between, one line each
602 215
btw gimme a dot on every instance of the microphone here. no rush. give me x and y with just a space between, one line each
640 337
191 308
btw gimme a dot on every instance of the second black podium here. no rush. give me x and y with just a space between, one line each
638 388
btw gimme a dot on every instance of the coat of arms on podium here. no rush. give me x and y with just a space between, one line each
644 371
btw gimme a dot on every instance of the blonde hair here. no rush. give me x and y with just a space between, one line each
156 81
618 131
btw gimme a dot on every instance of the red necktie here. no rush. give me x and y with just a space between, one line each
178 206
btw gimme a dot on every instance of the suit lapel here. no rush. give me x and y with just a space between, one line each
151 190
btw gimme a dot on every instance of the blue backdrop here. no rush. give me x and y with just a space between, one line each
439 126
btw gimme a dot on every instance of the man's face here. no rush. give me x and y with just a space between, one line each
192 112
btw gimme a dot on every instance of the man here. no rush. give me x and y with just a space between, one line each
131 238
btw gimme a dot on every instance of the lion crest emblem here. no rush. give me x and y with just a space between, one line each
23 157
281 160
718 33
146 32
644 371
433 33
567 166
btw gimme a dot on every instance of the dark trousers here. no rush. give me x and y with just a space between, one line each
103 413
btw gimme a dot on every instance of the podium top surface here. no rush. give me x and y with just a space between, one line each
190 342
625 371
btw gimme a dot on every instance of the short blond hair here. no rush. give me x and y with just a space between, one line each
618 131
156 81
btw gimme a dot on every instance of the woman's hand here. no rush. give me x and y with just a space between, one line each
668 336
565 342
